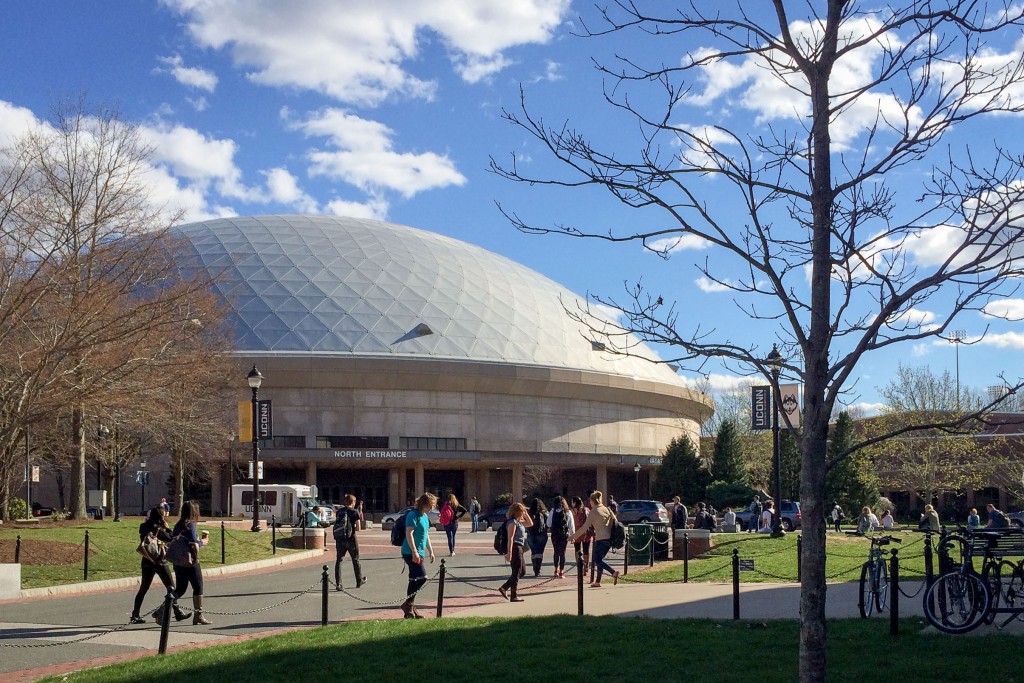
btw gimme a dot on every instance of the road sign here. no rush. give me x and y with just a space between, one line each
260 469
142 477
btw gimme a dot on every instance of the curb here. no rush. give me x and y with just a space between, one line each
135 581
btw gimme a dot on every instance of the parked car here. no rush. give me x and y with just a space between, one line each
790 517
642 511
388 521
491 520
40 511
1016 519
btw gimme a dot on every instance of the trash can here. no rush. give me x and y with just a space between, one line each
638 544
660 544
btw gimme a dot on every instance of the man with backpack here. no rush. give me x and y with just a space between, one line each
997 519
755 518
474 514
346 522
680 516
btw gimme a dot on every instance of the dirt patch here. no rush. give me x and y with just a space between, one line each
42 552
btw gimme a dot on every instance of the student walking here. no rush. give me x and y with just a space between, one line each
582 544
517 522
191 574
346 526
474 514
450 514
537 535
155 524
415 548
600 518
562 525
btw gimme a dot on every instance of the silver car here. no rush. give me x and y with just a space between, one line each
388 521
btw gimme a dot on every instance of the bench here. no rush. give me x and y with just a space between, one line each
1000 543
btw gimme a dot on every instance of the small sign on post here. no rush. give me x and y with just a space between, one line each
760 408
746 565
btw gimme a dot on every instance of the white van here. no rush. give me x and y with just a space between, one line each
288 503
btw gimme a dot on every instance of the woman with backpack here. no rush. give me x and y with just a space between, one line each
415 547
562 525
600 518
517 521
582 546
155 524
537 535
191 574
450 514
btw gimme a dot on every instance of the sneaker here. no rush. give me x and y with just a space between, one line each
595 585
504 592
135 619
362 582
517 599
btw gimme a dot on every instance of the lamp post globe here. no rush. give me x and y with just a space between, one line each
255 379
636 473
774 363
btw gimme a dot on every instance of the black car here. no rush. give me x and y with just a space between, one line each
492 519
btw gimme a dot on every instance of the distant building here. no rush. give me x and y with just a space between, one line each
400 360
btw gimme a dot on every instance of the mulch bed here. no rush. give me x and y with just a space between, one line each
42 552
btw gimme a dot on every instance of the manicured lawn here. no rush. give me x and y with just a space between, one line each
54 554
565 648
775 559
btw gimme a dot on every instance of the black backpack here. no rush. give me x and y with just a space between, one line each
501 538
559 525
398 530
343 530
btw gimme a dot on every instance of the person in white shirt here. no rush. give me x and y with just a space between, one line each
765 525
887 521
729 519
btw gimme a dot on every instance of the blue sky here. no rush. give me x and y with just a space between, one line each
392 110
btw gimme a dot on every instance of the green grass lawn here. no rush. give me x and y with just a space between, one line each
566 648
775 559
112 550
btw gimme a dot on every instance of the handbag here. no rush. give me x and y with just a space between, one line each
179 551
152 549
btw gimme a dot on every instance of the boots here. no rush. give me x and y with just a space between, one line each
179 614
197 617
537 561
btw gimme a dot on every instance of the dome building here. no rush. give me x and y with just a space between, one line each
399 360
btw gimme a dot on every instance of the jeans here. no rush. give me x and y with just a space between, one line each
601 549
350 547
476 522
449 531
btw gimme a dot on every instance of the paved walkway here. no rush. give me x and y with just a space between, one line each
288 603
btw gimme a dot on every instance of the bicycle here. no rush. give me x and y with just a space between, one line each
874 577
962 599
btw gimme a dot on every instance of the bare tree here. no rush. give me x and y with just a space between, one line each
827 257
94 278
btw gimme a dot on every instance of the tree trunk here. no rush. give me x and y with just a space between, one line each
78 463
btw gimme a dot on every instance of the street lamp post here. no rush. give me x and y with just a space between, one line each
255 379
102 434
774 363
145 479
636 472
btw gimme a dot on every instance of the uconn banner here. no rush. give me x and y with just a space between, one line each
761 406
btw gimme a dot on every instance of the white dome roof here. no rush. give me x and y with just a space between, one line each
346 286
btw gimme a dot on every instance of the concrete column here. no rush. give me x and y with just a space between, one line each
310 472
217 505
396 488
517 482
418 480
602 481
484 494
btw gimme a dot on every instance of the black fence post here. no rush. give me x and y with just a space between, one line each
165 621
273 534
17 550
324 583
894 594
929 564
304 527
85 564
686 557
579 582
652 545
223 544
625 554
440 590
799 553
735 584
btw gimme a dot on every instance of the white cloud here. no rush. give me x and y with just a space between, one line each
670 245
359 53
912 317
190 76
1012 309
374 209
717 383
769 93
206 162
362 155
283 187
710 286
920 350
15 122
865 409
1004 340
